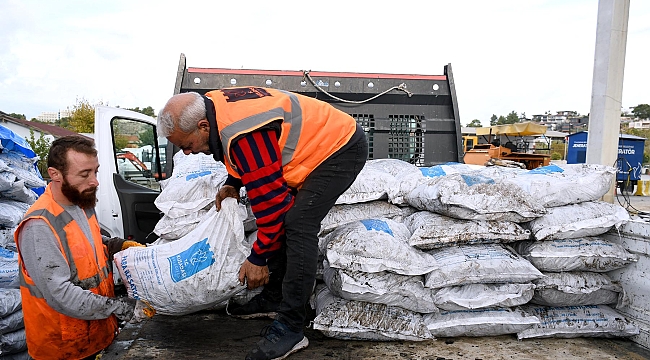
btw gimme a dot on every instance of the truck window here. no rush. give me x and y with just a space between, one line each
139 154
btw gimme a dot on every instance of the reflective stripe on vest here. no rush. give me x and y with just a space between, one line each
294 118
59 222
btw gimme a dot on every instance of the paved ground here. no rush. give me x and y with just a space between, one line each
635 204
215 335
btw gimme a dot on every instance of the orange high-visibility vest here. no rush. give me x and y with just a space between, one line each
311 130
50 334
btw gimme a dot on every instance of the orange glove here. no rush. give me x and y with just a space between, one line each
130 243
143 311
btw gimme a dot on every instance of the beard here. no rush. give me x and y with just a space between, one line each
84 199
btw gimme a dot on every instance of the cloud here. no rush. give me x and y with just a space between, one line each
507 55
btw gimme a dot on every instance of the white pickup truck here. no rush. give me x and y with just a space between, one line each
126 196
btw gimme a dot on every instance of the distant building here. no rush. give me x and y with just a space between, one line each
53 116
563 121
22 128
550 118
639 124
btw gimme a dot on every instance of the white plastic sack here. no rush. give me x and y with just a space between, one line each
577 321
12 322
19 192
192 273
405 291
357 320
474 197
169 228
566 184
371 184
582 254
12 212
450 169
9 274
7 238
404 174
23 167
10 301
431 231
193 185
479 264
24 355
13 343
375 245
6 178
347 213
577 288
401 188
395 167
578 220
238 299
479 296
483 322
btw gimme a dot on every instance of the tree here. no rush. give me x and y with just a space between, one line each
475 123
147 111
82 117
147 137
512 118
41 147
18 116
641 111
64 123
121 142
557 150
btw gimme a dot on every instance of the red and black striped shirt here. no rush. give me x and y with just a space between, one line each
259 164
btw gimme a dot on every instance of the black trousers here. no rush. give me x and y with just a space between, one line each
293 271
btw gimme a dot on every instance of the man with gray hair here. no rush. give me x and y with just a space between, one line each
295 156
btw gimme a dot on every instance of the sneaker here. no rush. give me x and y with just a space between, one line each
257 307
278 343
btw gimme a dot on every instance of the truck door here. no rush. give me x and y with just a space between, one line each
132 163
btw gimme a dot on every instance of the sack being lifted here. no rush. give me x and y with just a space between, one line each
194 272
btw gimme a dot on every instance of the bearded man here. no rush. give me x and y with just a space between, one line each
66 279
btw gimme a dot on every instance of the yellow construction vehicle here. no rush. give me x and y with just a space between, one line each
489 154
469 141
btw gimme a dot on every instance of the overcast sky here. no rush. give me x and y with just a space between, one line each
526 56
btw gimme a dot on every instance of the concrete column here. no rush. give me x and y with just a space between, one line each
607 85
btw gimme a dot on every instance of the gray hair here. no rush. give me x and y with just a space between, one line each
190 114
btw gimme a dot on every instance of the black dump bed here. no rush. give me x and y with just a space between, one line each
408 117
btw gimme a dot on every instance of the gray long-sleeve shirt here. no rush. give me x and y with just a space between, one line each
50 271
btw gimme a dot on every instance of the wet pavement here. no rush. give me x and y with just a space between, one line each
215 335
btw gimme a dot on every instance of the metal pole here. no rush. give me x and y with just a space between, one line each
607 85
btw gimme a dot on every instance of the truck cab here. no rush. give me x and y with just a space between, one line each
133 162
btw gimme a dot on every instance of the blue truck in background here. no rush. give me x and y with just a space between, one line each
629 162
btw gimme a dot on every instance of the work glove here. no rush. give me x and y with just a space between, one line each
116 244
142 311
130 243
